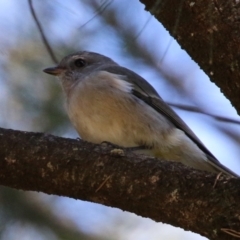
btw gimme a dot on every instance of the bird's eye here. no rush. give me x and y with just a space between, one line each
80 63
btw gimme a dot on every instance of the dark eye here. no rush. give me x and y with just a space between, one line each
80 63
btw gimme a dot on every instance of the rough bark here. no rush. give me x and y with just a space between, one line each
163 191
210 32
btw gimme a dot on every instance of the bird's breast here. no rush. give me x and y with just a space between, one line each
99 110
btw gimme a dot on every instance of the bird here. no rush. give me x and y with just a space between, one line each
110 103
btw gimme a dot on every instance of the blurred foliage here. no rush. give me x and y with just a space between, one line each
23 213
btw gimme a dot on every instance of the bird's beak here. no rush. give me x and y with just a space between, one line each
54 70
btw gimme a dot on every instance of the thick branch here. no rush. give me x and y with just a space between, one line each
210 32
164 191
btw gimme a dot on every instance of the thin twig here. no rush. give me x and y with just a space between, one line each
44 39
102 184
198 110
142 29
98 11
216 180
231 232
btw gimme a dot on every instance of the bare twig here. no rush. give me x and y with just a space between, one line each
231 232
198 110
142 29
47 45
101 185
98 11
216 180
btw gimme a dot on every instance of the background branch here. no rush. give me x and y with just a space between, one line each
210 33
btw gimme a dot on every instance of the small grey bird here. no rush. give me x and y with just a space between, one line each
107 102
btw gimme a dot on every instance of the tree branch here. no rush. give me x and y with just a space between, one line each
161 190
210 32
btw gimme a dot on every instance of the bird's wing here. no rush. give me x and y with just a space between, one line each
144 91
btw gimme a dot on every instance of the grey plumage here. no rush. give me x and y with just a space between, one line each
107 102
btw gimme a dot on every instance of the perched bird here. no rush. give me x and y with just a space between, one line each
107 102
